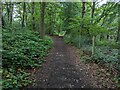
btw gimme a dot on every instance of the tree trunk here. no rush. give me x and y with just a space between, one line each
83 8
42 13
118 32
8 11
3 22
93 37
83 12
26 20
93 45
24 12
50 31
11 12
119 40
33 17
0 40
0 16
93 9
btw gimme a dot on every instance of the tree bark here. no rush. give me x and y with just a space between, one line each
33 17
0 42
83 12
24 11
3 22
118 31
119 40
8 11
93 37
0 16
9 7
83 8
93 9
50 29
11 12
42 13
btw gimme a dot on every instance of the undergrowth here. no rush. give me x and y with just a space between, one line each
22 51
106 54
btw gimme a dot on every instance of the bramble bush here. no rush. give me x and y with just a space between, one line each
22 51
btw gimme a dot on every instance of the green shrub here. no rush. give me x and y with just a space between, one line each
22 51
86 59
13 79
67 39
111 44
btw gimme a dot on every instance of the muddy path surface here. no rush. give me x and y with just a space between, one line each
63 69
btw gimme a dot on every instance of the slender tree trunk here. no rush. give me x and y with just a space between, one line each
118 32
26 16
24 12
83 12
8 14
42 13
8 11
33 17
83 8
60 24
93 37
0 16
54 18
26 22
93 9
50 31
11 12
0 42
3 22
119 40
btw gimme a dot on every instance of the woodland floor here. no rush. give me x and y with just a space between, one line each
63 69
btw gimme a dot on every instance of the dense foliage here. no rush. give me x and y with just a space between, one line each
94 30
91 26
22 51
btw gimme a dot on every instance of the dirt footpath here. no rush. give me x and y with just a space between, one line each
63 69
